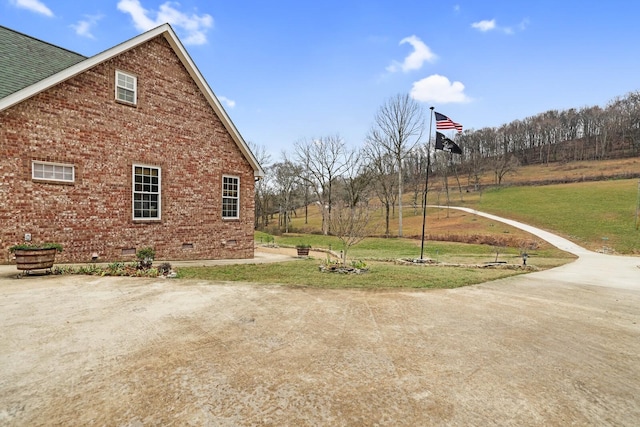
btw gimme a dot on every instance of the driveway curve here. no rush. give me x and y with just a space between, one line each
591 268
553 348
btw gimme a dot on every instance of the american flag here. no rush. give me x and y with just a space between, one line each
444 123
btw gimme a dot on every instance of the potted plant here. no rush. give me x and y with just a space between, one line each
32 256
303 250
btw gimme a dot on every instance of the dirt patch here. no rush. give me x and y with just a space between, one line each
120 351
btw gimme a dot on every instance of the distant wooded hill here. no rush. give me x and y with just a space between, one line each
590 133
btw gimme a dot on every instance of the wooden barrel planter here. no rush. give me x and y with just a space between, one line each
35 259
303 251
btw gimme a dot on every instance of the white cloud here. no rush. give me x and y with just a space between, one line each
485 25
414 61
83 27
228 102
34 6
193 26
138 14
437 88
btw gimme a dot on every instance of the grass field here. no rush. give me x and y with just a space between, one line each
381 275
389 249
583 212
379 254
592 214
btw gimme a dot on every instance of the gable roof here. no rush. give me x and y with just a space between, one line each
84 64
26 60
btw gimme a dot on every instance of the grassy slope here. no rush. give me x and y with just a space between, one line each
583 212
572 171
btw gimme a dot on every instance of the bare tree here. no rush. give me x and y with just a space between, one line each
398 127
415 166
326 159
382 170
356 182
262 188
503 165
286 179
350 224
474 159
627 113
264 198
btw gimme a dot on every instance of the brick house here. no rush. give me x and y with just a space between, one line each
126 149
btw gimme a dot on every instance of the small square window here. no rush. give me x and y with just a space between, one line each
126 87
52 171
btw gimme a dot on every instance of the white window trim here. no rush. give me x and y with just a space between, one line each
237 198
39 178
135 88
133 192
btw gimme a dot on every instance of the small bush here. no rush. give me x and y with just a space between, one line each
116 268
164 268
359 264
113 269
145 257
63 270
90 269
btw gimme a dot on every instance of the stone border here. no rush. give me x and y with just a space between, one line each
492 265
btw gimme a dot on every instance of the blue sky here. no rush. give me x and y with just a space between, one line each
287 70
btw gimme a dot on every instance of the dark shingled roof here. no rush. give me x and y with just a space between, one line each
25 60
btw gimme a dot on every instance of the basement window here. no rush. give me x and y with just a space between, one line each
48 171
146 192
126 87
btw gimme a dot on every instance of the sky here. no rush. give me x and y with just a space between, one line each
287 70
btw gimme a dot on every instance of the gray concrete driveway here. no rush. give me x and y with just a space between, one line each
558 347
591 268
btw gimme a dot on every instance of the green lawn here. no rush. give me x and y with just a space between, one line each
582 212
378 249
379 254
380 276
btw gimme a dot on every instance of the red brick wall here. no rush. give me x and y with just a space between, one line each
79 122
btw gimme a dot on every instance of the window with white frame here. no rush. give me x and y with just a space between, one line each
146 192
230 197
126 87
48 171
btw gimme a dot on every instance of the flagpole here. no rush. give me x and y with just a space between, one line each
426 185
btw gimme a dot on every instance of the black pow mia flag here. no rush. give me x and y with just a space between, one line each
445 144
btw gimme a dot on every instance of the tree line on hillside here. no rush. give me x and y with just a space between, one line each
397 149
589 133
